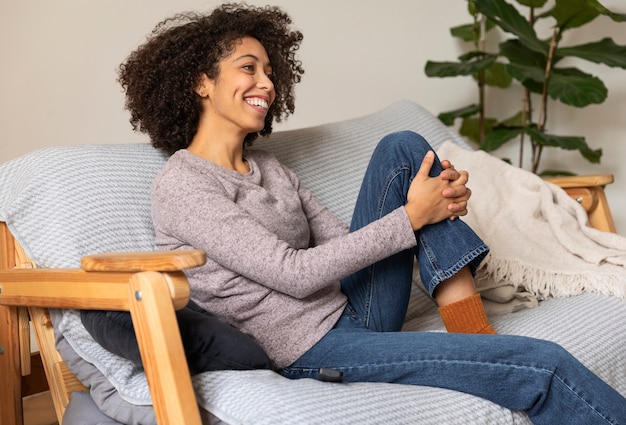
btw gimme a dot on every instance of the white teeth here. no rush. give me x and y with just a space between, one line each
257 102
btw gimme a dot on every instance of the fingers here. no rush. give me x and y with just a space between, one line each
430 200
455 176
458 206
450 175
447 165
427 163
457 186
456 192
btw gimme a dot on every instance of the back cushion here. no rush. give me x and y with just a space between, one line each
65 202
62 203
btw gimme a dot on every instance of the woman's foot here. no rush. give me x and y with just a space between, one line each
466 316
460 305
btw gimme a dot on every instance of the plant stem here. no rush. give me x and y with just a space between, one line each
527 104
526 118
481 79
543 112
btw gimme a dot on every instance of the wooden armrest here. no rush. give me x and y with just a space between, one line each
163 261
581 181
76 288
588 191
101 284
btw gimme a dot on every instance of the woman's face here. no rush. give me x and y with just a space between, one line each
241 95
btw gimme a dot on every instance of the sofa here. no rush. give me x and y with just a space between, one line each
64 203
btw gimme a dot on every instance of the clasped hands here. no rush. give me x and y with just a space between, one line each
433 199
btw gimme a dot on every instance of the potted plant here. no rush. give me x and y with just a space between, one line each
534 62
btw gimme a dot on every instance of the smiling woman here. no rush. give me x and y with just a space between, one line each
234 104
162 79
282 271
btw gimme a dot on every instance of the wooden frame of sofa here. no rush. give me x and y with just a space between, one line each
149 285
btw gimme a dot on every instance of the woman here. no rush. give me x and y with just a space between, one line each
281 268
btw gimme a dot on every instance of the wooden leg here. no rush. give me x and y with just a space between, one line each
601 217
162 351
10 369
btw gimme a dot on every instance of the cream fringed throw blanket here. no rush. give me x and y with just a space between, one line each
541 245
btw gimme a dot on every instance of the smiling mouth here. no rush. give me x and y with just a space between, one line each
258 102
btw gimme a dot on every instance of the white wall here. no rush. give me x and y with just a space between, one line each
58 60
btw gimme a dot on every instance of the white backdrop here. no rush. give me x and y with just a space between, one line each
59 60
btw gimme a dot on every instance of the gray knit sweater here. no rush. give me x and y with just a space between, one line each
274 254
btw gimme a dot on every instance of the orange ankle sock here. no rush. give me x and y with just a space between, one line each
466 316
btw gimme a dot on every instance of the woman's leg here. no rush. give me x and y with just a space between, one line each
519 373
380 293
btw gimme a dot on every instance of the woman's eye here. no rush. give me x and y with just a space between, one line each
249 68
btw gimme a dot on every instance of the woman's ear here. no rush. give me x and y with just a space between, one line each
201 88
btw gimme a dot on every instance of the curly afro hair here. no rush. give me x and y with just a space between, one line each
159 77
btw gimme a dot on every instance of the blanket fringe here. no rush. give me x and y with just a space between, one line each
546 283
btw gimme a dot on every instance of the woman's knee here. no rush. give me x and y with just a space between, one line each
404 146
403 140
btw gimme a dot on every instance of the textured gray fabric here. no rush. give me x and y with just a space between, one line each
82 410
70 201
63 203
572 322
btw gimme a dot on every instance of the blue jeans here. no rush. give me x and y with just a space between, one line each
366 344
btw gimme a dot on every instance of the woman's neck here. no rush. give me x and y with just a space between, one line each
225 151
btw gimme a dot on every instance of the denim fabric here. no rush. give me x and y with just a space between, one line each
519 373
442 249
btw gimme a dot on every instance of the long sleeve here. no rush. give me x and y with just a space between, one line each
275 255
263 232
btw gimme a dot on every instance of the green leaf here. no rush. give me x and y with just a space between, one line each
448 117
510 20
517 53
514 121
573 87
474 54
532 3
531 77
470 128
497 76
466 32
556 173
471 7
575 13
565 142
454 69
617 17
498 137
604 51
524 73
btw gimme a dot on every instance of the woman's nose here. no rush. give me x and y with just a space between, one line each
265 82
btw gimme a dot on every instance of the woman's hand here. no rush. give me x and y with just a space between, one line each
433 199
458 192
